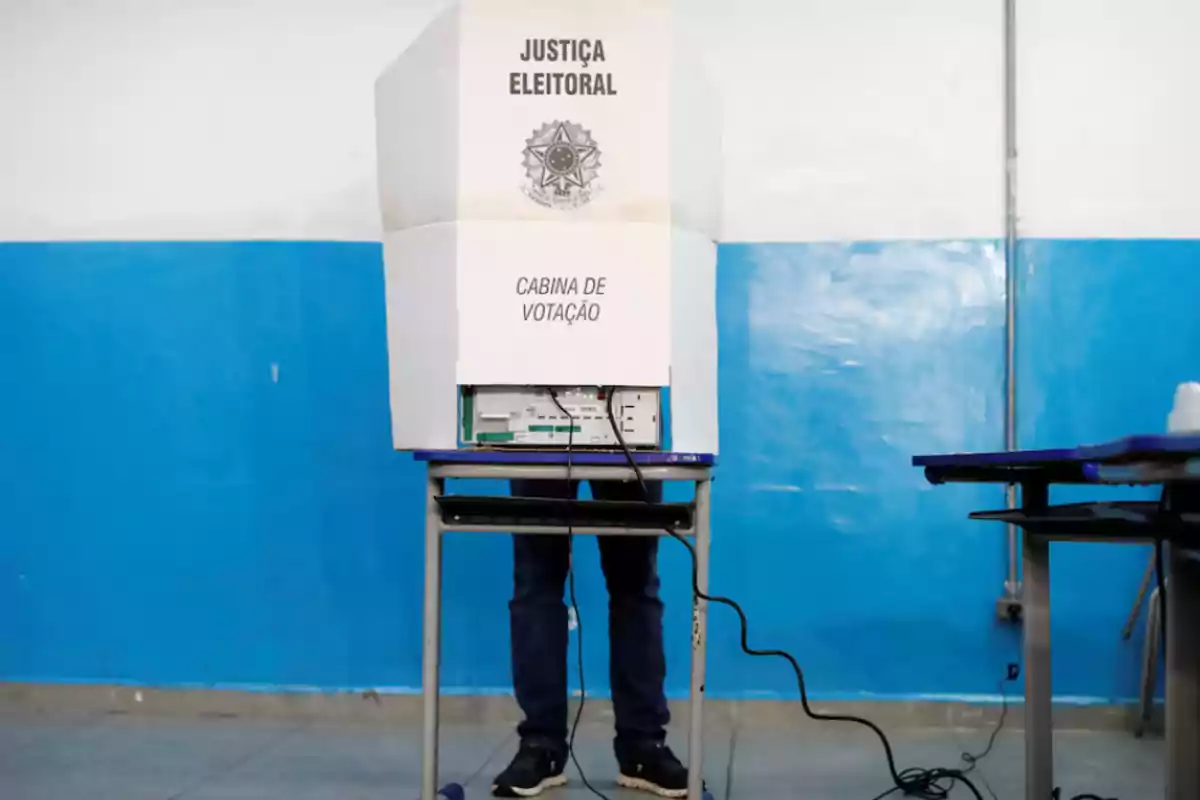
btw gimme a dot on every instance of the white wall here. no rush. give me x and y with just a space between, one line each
1109 124
193 119
845 119
862 119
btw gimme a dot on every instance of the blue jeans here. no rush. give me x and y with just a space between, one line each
637 665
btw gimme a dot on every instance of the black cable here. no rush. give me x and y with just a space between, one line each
972 759
570 495
934 783
926 784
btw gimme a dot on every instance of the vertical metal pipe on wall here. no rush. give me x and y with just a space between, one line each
1012 585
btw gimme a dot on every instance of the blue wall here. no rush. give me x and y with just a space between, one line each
173 511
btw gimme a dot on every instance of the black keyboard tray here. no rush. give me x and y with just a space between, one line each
459 509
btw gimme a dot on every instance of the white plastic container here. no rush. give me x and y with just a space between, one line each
1185 415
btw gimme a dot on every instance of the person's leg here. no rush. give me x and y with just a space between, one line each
635 631
638 665
538 620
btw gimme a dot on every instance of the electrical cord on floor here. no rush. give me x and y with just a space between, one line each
933 783
926 784
570 495
972 760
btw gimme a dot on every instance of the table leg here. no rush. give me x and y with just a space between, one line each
1151 648
1039 708
1039 724
699 644
431 644
1183 674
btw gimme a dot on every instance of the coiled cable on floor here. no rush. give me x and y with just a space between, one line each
934 783
927 784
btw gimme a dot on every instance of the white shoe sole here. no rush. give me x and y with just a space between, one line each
647 786
547 783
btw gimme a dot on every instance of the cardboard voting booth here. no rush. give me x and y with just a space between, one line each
549 181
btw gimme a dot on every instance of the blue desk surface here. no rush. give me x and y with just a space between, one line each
579 458
1164 447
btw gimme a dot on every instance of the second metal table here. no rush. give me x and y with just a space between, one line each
1173 462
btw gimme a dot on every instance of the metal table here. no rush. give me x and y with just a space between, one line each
1173 462
552 465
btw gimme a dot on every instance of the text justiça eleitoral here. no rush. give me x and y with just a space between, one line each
583 52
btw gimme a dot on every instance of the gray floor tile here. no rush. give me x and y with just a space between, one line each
22 732
237 759
352 763
1107 764
845 764
134 759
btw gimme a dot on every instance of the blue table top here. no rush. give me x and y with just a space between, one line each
579 458
1162 447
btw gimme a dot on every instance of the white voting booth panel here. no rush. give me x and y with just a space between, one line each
549 177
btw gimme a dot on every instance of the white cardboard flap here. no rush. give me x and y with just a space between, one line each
551 111
549 181
565 102
552 304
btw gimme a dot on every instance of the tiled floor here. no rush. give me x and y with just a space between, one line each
104 757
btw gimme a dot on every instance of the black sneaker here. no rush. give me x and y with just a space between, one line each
534 770
653 768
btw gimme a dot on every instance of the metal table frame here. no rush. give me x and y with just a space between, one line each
1174 462
515 465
